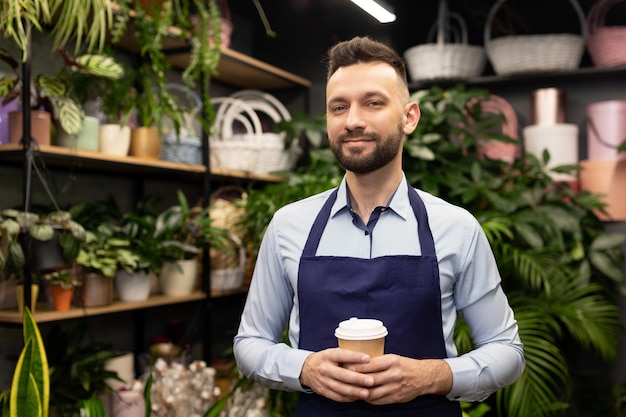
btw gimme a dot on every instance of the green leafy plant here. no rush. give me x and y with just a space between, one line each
13 223
55 94
184 230
559 266
84 22
78 372
30 389
64 278
107 251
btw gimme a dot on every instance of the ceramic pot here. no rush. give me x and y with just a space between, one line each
607 178
179 278
114 139
133 287
561 142
87 139
40 125
96 291
127 404
61 297
44 256
145 143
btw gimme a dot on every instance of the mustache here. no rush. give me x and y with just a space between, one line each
358 133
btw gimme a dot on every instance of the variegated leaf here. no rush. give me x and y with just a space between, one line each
100 65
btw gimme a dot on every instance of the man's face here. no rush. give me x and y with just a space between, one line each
365 116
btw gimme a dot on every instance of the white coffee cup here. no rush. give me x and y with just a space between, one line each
362 335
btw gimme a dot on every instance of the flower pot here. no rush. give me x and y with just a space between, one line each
114 139
61 297
133 287
87 139
40 125
609 179
180 278
127 404
44 256
145 143
19 296
561 142
96 291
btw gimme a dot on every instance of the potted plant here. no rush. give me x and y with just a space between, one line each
156 108
53 240
62 284
53 95
102 255
88 30
183 231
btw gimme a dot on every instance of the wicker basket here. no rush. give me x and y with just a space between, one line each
606 44
227 272
185 150
228 268
534 53
186 147
249 148
442 60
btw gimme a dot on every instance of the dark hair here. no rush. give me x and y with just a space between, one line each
363 49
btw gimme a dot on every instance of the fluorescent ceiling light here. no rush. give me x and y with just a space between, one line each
376 9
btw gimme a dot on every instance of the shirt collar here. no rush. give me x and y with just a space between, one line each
400 203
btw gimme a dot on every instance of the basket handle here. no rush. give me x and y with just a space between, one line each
459 34
597 14
230 110
496 6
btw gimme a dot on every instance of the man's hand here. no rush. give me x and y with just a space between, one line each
398 379
330 373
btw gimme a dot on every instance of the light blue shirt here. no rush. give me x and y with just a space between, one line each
469 279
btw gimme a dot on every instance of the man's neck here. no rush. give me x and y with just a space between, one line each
368 191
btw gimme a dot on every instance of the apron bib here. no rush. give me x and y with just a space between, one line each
401 290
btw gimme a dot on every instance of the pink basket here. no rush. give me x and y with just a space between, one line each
605 43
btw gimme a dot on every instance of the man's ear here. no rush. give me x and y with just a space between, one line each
411 117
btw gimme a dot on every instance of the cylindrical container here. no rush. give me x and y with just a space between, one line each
606 129
362 335
609 179
548 106
561 142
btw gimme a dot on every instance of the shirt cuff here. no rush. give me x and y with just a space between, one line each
294 360
464 380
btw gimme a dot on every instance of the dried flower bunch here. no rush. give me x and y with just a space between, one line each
182 391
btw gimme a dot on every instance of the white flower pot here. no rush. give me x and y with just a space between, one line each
132 287
113 139
179 280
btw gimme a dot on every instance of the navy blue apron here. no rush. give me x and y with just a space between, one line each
401 290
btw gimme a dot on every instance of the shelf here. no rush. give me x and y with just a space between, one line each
93 160
235 69
581 74
45 314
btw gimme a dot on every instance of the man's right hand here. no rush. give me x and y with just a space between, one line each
330 373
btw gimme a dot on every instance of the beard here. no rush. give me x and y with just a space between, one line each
354 160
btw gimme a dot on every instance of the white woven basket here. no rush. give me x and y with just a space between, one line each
534 53
251 149
442 60
229 278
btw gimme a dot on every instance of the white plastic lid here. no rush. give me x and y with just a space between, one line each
360 329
